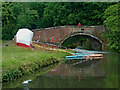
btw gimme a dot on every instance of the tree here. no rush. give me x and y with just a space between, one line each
70 13
7 20
27 19
111 22
34 15
15 16
41 22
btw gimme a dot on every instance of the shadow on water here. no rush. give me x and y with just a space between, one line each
79 74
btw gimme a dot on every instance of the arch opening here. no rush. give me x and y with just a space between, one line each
88 42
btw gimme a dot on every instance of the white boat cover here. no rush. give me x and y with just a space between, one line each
24 36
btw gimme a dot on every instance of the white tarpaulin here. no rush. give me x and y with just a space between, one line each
24 36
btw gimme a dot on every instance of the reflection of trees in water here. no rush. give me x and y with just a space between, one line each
76 78
88 68
62 70
66 81
68 75
111 68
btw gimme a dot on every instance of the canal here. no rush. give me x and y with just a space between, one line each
101 73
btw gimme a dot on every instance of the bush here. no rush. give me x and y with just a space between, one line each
111 22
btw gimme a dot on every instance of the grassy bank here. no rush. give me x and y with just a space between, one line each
41 71
17 62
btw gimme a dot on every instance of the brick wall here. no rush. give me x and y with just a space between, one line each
45 35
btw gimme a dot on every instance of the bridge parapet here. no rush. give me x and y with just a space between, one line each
81 30
61 32
96 31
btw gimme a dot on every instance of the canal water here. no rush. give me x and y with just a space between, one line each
101 73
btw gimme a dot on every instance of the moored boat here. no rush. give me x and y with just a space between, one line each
85 56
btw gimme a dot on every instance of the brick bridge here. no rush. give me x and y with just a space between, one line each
62 33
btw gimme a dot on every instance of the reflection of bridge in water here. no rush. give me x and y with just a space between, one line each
86 69
67 75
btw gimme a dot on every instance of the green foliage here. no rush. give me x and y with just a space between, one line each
76 41
111 23
72 13
82 42
34 15
7 21
15 16
29 19
11 74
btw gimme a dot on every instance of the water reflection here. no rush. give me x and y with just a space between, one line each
69 75
66 82
88 68
79 74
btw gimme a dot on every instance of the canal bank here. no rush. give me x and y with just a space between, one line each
67 74
17 82
101 73
18 62
73 74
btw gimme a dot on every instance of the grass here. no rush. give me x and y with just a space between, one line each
13 56
18 61
16 84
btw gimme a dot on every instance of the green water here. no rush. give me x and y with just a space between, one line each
76 74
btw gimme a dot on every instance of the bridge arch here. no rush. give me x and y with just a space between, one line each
82 34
